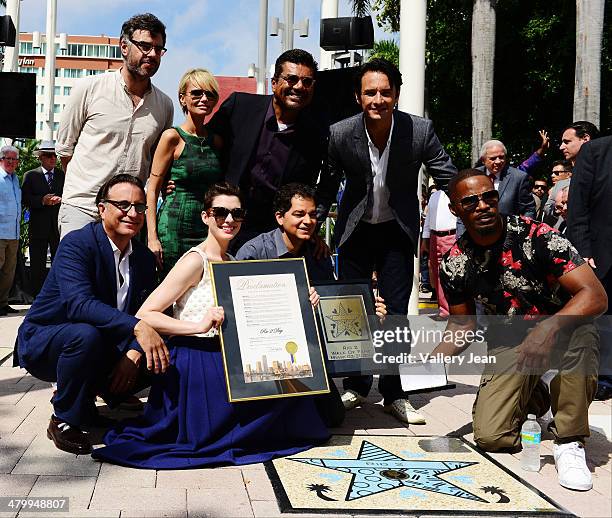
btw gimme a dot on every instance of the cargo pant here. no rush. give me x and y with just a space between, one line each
505 396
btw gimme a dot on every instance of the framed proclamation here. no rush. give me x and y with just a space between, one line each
346 317
269 338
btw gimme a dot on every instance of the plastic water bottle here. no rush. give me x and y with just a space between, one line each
531 435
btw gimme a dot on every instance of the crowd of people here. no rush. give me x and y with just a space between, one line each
119 312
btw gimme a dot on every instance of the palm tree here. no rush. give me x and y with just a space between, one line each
386 49
587 86
483 66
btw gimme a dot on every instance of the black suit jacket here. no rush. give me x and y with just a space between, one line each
413 144
43 218
239 122
589 214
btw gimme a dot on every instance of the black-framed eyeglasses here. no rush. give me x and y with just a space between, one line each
293 80
126 206
199 93
555 173
539 186
469 203
145 47
221 213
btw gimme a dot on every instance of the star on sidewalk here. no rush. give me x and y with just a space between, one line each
376 470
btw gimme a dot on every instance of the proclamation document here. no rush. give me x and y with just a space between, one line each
270 328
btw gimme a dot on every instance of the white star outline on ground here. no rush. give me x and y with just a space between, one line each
376 470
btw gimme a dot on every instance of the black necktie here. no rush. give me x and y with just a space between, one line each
50 178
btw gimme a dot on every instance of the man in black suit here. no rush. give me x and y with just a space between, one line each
380 153
271 140
42 193
589 228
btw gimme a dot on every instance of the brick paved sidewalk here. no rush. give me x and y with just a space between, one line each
30 465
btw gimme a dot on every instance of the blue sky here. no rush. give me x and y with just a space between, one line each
220 35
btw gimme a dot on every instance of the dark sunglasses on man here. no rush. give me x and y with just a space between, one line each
126 206
221 213
293 80
469 203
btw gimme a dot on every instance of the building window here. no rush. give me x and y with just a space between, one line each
114 51
41 107
57 90
55 126
56 108
94 72
67 90
72 72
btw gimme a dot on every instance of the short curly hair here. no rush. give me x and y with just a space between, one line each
143 22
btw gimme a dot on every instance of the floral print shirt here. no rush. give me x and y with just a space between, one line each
518 275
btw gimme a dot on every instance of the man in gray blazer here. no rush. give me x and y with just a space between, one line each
513 185
380 152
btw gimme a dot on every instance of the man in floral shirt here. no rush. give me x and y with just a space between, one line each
524 271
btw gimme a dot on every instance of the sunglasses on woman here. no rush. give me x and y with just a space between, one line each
220 214
469 203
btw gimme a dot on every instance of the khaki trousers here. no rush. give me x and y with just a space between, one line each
8 261
505 397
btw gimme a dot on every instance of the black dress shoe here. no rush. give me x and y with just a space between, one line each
9 309
67 437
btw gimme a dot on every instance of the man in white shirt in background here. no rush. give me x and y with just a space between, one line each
439 234
112 122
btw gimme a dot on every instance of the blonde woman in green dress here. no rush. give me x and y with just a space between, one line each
189 155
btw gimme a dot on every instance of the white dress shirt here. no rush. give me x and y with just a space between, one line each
439 217
494 177
122 271
381 211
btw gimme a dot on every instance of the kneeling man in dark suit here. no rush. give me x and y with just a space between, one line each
81 331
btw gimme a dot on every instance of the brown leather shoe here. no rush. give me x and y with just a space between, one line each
68 438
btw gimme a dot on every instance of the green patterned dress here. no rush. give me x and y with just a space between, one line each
179 222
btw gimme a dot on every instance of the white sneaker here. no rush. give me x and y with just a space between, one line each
404 411
351 399
571 466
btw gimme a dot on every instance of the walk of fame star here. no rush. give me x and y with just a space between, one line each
376 470
345 322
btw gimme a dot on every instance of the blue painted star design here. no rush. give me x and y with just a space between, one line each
376 470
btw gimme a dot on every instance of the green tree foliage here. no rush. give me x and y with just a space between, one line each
386 49
534 71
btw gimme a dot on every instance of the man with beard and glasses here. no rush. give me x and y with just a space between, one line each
546 297
271 140
112 122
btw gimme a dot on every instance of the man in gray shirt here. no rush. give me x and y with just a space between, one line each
112 122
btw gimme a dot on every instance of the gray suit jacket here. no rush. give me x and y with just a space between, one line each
515 197
413 144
